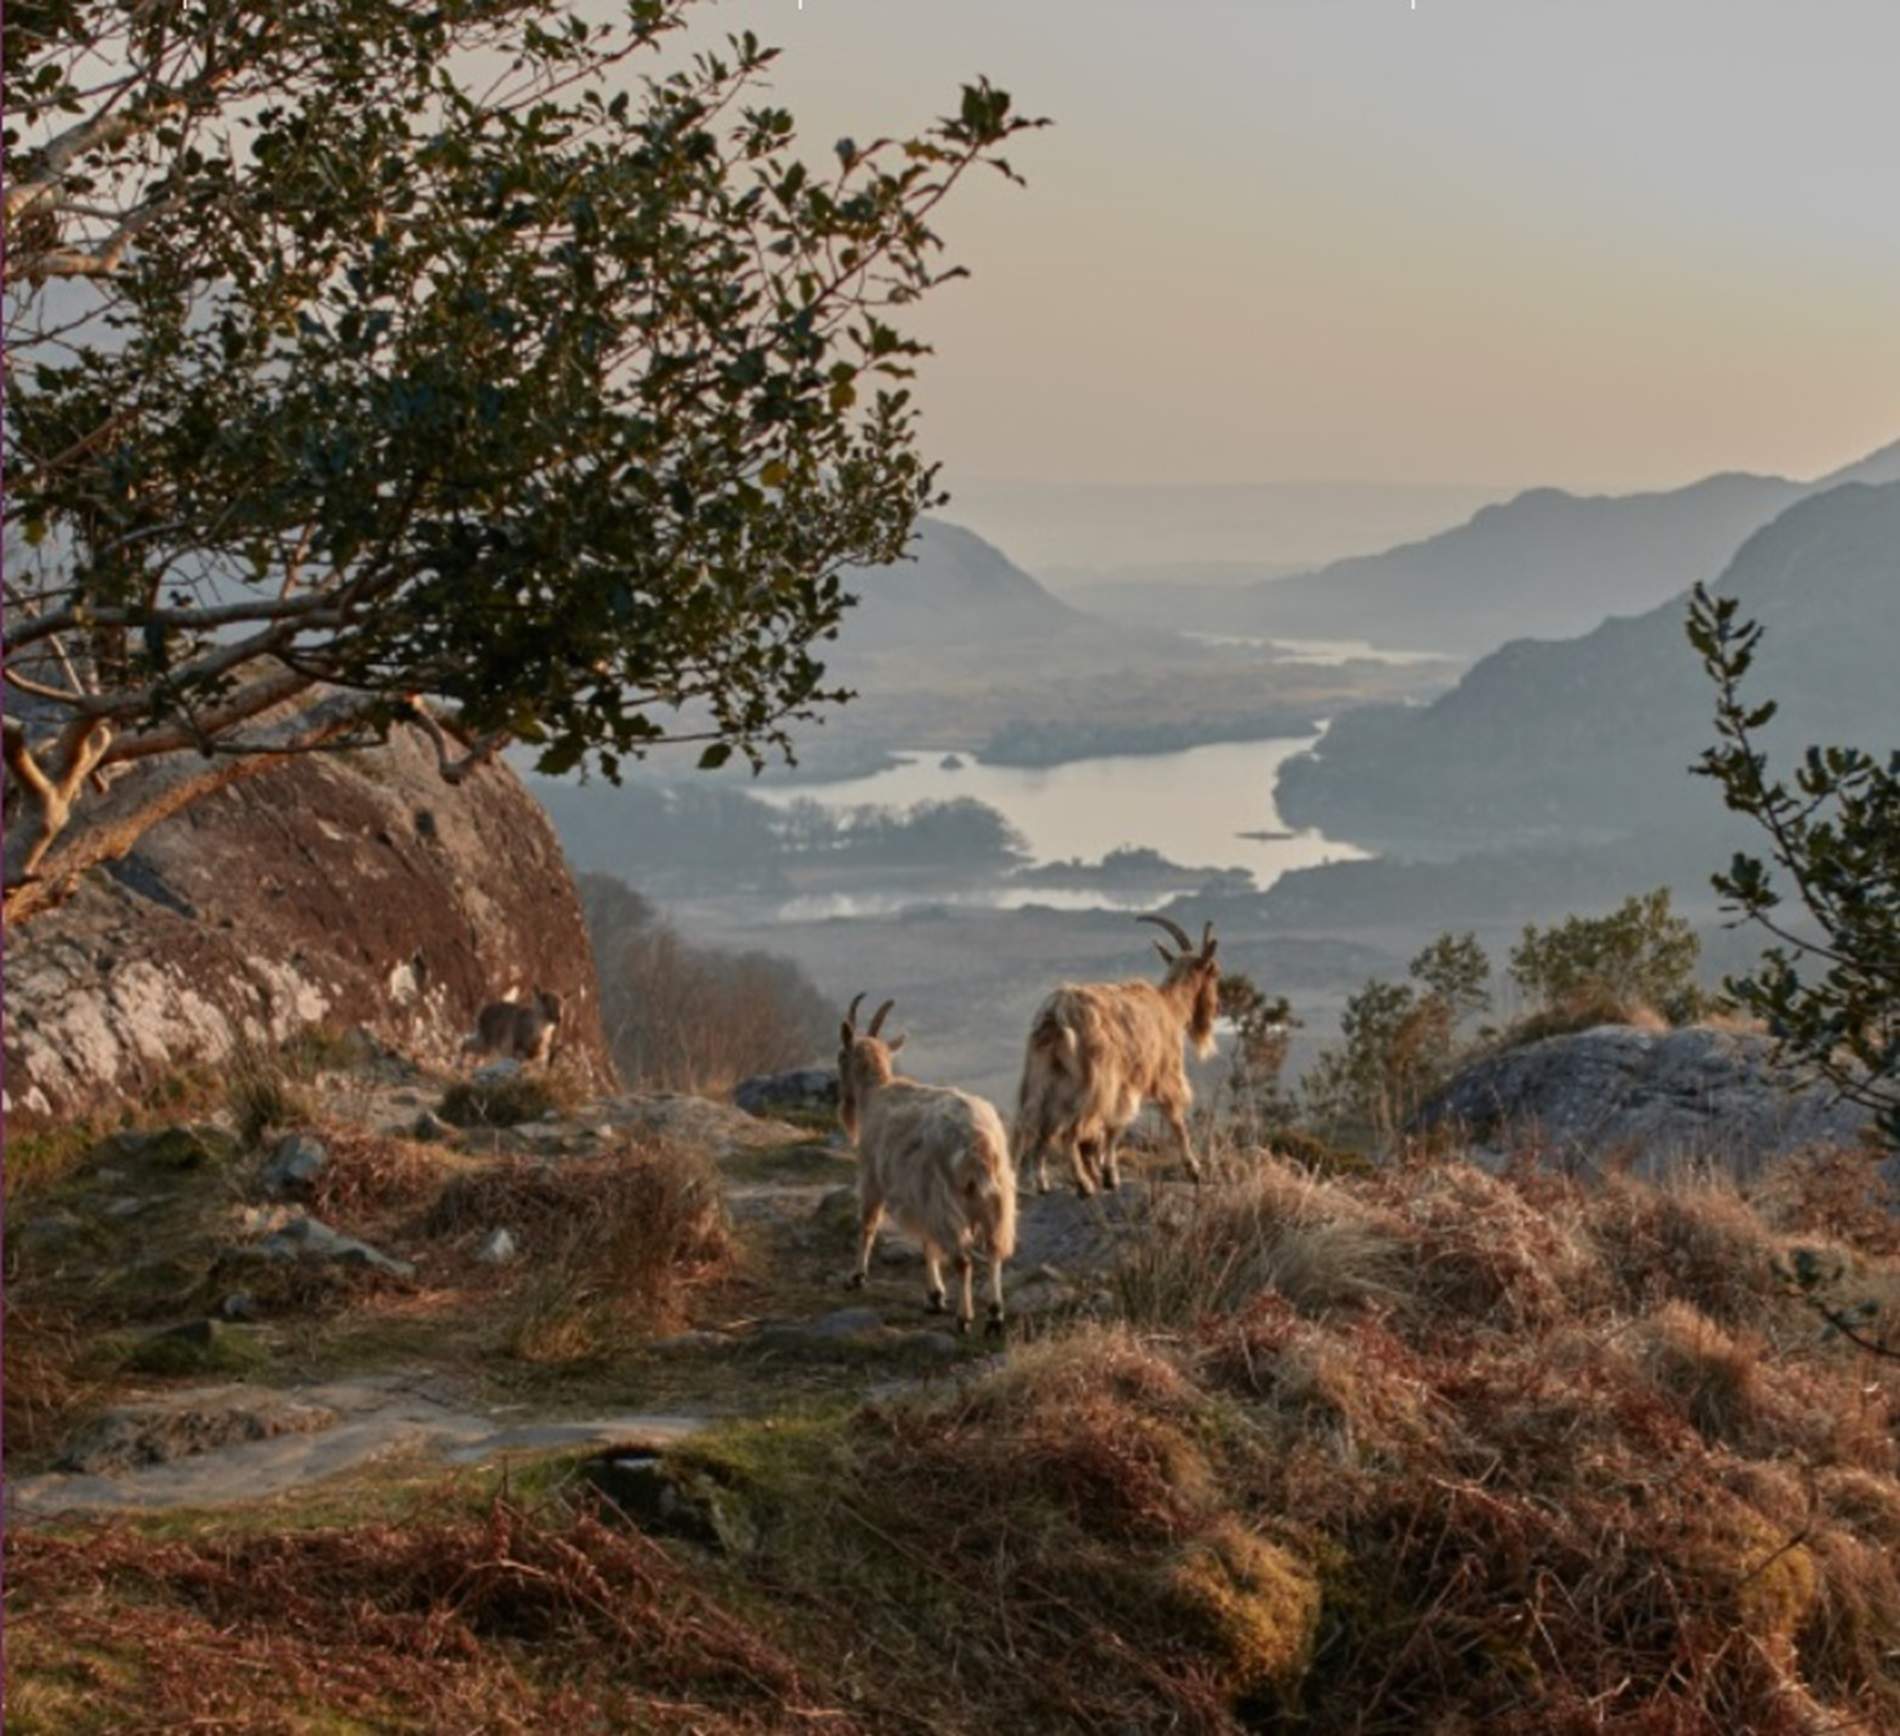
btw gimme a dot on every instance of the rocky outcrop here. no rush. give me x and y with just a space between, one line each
334 891
1654 1098
802 1091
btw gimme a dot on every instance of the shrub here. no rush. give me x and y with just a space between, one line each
680 1017
503 1102
1639 954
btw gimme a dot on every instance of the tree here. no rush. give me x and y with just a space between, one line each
1640 952
1832 1002
1455 969
1263 1030
362 355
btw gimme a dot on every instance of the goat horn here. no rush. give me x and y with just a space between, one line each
1207 936
851 1018
1174 928
877 1018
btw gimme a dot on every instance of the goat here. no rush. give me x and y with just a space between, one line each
935 1159
524 1032
1098 1051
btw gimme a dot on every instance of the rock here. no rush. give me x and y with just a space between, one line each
846 1323
298 1160
950 763
1665 1096
126 1207
47 1230
198 1347
134 1436
672 1502
430 1126
804 1091
239 1305
171 1148
496 1072
498 1249
312 1239
107 1177
303 897
682 1341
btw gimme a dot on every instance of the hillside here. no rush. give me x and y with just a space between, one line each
1591 737
1546 564
318 1457
956 590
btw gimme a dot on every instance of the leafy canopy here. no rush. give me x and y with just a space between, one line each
381 351
1829 990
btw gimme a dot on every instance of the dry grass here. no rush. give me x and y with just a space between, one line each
611 1247
504 1621
1582 1012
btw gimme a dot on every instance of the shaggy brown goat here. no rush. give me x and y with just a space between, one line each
1098 1051
524 1033
936 1159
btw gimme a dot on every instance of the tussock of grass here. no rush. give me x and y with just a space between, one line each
502 1102
1583 1012
611 1246
1276 1228
504 1621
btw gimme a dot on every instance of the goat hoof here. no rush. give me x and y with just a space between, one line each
855 1281
934 1302
993 1327
963 1327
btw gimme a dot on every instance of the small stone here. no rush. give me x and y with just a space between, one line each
126 1207
239 1305
495 1072
107 1176
295 1164
310 1238
498 1249
430 1126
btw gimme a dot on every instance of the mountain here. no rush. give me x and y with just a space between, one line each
956 589
1546 564
1591 737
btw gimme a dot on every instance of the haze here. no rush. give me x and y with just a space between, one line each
1486 243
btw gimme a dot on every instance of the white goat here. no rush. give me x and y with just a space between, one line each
523 1032
1098 1051
936 1159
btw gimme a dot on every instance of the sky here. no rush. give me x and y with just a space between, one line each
1600 244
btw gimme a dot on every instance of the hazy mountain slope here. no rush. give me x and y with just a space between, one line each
958 589
1590 736
1546 564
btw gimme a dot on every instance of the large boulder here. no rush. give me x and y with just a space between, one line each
1655 1098
802 1091
336 891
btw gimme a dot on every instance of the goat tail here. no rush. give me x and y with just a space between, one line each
1051 1063
993 1199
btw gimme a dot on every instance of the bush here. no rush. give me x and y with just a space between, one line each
500 1102
1640 954
680 1017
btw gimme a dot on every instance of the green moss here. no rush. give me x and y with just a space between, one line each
1252 1607
45 1156
210 1347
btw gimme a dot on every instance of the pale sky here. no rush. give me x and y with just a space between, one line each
1592 243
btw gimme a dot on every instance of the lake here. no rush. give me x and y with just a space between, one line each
1189 805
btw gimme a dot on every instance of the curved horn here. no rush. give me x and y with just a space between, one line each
877 1018
1174 928
1207 938
851 1018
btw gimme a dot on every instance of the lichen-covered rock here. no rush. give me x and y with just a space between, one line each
312 1239
338 891
1655 1097
802 1091
298 1160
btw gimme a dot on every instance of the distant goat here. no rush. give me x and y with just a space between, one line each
521 1031
936 1159
1098 1051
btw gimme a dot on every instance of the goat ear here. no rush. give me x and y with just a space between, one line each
845 1034
897 1042
1167 957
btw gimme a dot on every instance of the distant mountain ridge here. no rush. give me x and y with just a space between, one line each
1545 564
956 589
1591 737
